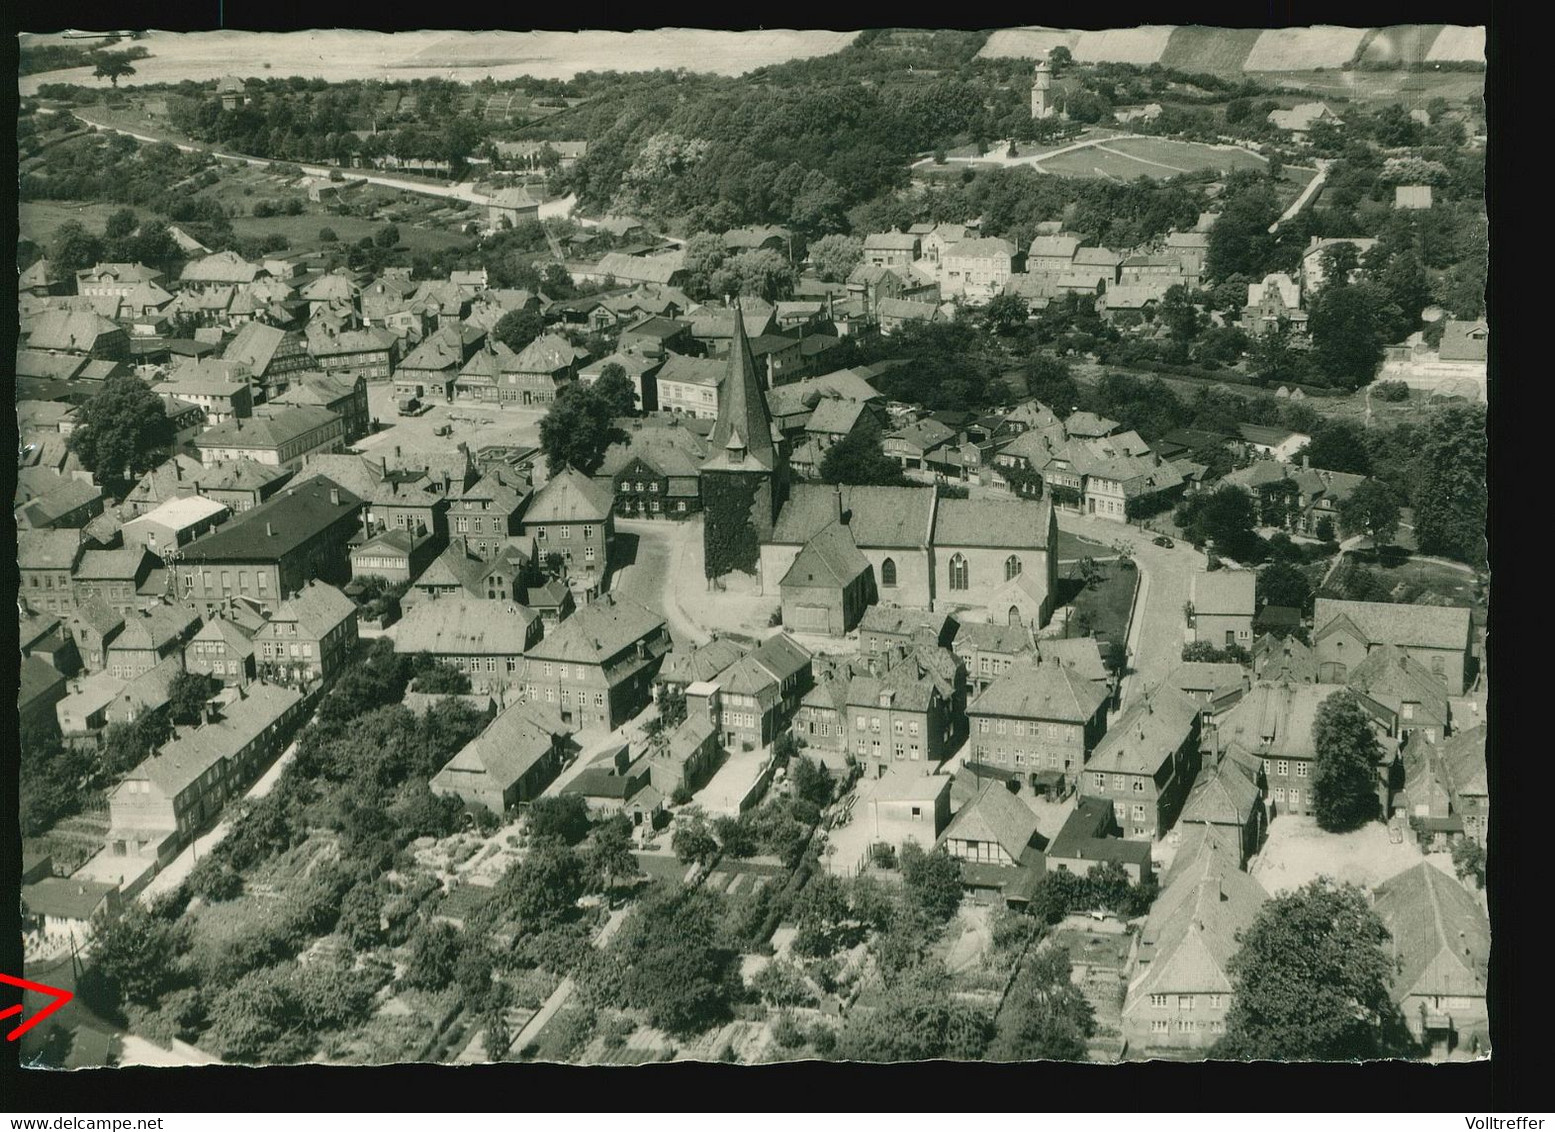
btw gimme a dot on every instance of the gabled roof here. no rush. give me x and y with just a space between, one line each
988 247
1392 678
890 241
156 628
1147 734
548 354
254 345
1033 689
1223 593
995 815
68 331
599 631
1276 720
192 753
126 563
782 656
466 625
879 517
1204 676
1463 761
1464 341
1440 936
835 415
316 609
1409 626
222 267
1020 524
1049 247
1191 933
509 747
1221 795
569 497
688 666
277 526
830 558
1276 658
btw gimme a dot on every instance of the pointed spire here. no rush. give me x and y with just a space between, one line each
742 407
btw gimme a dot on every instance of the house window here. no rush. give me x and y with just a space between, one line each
1301 769
888 572
540 534
1118 782
461 523
1185 1002
1100 781
1012 567
1279 795
960 578
566 532
1295 797
1139 787
1160 1025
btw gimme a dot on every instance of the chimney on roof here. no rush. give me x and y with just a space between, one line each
1306 462
334 496
269 529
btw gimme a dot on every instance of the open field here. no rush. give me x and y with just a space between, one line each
339 55
1217 50
1236 50
1457 583
1378 87
303 231
1129 158
38 220
1297 851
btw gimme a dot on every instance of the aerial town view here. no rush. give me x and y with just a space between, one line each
753 547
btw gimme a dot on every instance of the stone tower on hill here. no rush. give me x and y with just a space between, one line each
1041 84
745 479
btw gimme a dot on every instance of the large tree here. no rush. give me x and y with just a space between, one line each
932 881
187 695
616 388
1373 510
516 329
1349 324
124 431
1339 446
578 430
1311 981
1344 786
1049 1018
73 248
834 257
113 66
1281 583
1449 488
858 458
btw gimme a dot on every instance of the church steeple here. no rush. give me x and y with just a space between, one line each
742 409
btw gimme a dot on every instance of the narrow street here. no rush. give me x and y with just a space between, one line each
1156 637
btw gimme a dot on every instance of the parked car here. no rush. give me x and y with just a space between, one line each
443 430
1162 540
409 406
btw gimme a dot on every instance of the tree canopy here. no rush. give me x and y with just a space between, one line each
578 430
124 431
858 458
1312 981
1344 787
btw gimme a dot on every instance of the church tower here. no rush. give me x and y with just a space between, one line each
744 480
1041 82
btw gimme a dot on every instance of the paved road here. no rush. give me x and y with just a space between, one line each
996 155
1306 195
1157 637
662 561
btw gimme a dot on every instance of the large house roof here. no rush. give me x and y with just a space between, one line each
1222 794
468 626
1440 937
1191 933
1223 593
1463 759
48 549
548 354
254 345
189 755
1147 734
221 267
70 331
273 430
689 666
1391 677
569 497
277 526
599 631
509 747
995 815
1033 689
1409 626
316 609
1276 720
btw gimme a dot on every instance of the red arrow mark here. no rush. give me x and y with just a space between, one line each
59 997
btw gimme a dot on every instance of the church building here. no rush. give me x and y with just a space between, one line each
744 480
